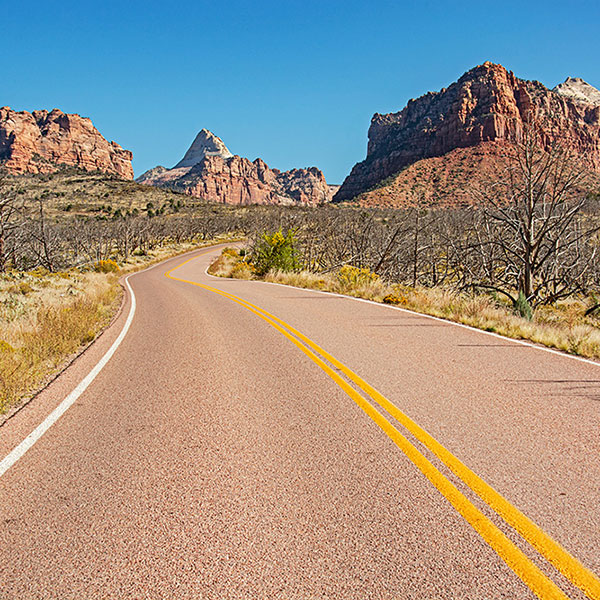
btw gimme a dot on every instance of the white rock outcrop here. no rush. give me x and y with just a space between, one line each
205 144
579 90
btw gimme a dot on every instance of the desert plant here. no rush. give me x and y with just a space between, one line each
522 307
350 277
275 251
241 270
106 266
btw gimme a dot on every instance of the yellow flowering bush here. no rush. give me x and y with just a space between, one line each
242 270
275 252
106 266
350 277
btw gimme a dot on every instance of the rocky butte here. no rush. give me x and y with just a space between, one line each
211 172
440 143
41 141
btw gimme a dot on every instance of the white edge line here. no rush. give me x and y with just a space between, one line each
413 312
18 452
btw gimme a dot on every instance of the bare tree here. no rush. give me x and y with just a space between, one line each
10 218
532 220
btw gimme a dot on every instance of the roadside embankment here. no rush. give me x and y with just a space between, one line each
46 319
564 326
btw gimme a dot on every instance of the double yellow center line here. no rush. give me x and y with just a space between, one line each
517 560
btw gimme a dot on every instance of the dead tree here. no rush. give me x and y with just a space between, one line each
532 218
10 219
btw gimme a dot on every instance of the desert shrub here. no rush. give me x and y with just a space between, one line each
523 308
230 252
394 299
22 287
5 347
241 270
106 266
39 272
350 277
275 252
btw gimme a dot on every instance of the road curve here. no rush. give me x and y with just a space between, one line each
213 457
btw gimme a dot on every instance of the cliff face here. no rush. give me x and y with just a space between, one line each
39 142
487 104
233 181
219 176
305 186
577 89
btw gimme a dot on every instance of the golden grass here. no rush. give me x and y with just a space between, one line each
231 264
47 317
369 289
61 313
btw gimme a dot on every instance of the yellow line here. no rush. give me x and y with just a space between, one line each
562 560
529 573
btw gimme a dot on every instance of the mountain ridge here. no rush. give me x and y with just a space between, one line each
211 172
486 104
41 141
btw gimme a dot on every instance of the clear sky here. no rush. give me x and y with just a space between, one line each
294 82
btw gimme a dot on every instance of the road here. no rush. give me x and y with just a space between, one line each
223 454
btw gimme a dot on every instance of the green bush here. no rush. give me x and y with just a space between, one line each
523 308
275 252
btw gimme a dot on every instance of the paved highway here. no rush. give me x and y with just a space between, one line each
248 440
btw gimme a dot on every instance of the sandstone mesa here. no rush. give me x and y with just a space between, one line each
41 141
460 131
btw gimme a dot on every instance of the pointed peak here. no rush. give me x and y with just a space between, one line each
579 90
205 144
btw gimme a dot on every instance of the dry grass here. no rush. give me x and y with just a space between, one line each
231 264
58 314
370 289
47 317
564 327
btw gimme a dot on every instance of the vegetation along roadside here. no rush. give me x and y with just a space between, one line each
47 318
564 325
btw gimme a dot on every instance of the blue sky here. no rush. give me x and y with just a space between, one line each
295 83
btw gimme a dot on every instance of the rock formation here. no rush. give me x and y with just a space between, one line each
205 144
485 108
577 89
210 172
39 142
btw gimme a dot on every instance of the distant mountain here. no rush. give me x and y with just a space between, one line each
210 171
445 140
40 141
205 144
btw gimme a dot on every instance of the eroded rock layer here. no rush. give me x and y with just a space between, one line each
41 141
218 176
487 104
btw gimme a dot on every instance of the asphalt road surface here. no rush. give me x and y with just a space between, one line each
340 450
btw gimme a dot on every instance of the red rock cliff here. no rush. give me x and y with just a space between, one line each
487 104
40 141
218 176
